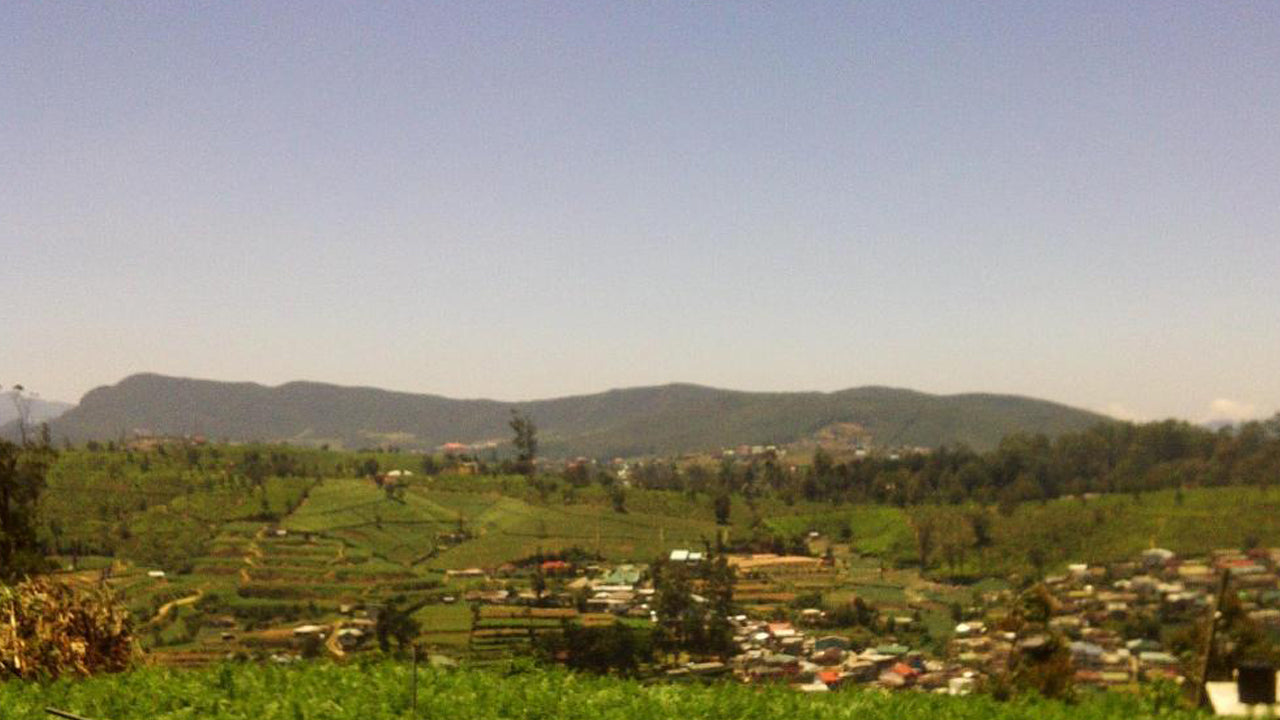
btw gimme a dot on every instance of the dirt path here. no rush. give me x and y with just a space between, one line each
166 608
252 552
333 646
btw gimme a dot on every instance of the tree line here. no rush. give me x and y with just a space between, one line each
1111 457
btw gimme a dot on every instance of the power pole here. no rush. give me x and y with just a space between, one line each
1206 654
413 681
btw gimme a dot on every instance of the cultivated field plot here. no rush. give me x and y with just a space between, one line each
509 529
403 530
500 631
868 529
447 626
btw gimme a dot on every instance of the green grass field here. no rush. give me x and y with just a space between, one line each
1118 527
381 690
360 514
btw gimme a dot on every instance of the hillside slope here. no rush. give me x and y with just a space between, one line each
636 421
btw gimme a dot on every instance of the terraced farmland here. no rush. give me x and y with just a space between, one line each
404 530
509 528
506 631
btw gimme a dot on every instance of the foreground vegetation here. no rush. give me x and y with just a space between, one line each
382 689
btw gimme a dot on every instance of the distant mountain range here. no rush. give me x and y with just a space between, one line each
658 420
41 410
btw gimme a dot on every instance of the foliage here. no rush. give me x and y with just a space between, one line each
163 505
617 648
722 506
525 442
48 629
689 621
396 623
1238 640
1106 458
1041 660
381 691
22 480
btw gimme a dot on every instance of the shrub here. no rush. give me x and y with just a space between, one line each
54 629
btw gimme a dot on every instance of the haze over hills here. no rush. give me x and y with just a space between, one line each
635 421
41 410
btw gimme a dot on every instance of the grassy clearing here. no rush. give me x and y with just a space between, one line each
361 514
511 528
1118 527
869 529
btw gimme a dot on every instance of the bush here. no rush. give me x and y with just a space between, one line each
372 690
55 629
614 648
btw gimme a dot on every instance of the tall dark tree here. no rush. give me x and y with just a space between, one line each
22 480
722 505
21 400
618 498
525 441
395 622
673 601
822 463
719 580
616 648
698 624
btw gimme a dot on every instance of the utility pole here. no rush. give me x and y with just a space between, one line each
64 714
413 681
1206 654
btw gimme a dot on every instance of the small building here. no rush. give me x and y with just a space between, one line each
309 630
828 642
1225 698
351 638
782 630
1157 557
556 567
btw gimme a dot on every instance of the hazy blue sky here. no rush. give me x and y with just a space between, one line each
1077 200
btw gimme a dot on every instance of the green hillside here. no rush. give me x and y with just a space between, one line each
171 508
638 421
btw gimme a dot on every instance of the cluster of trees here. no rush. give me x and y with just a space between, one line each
53 628
396 624
1237 639
1109 457
617 648
694 602
22 480
23 466
524 440
1041 658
